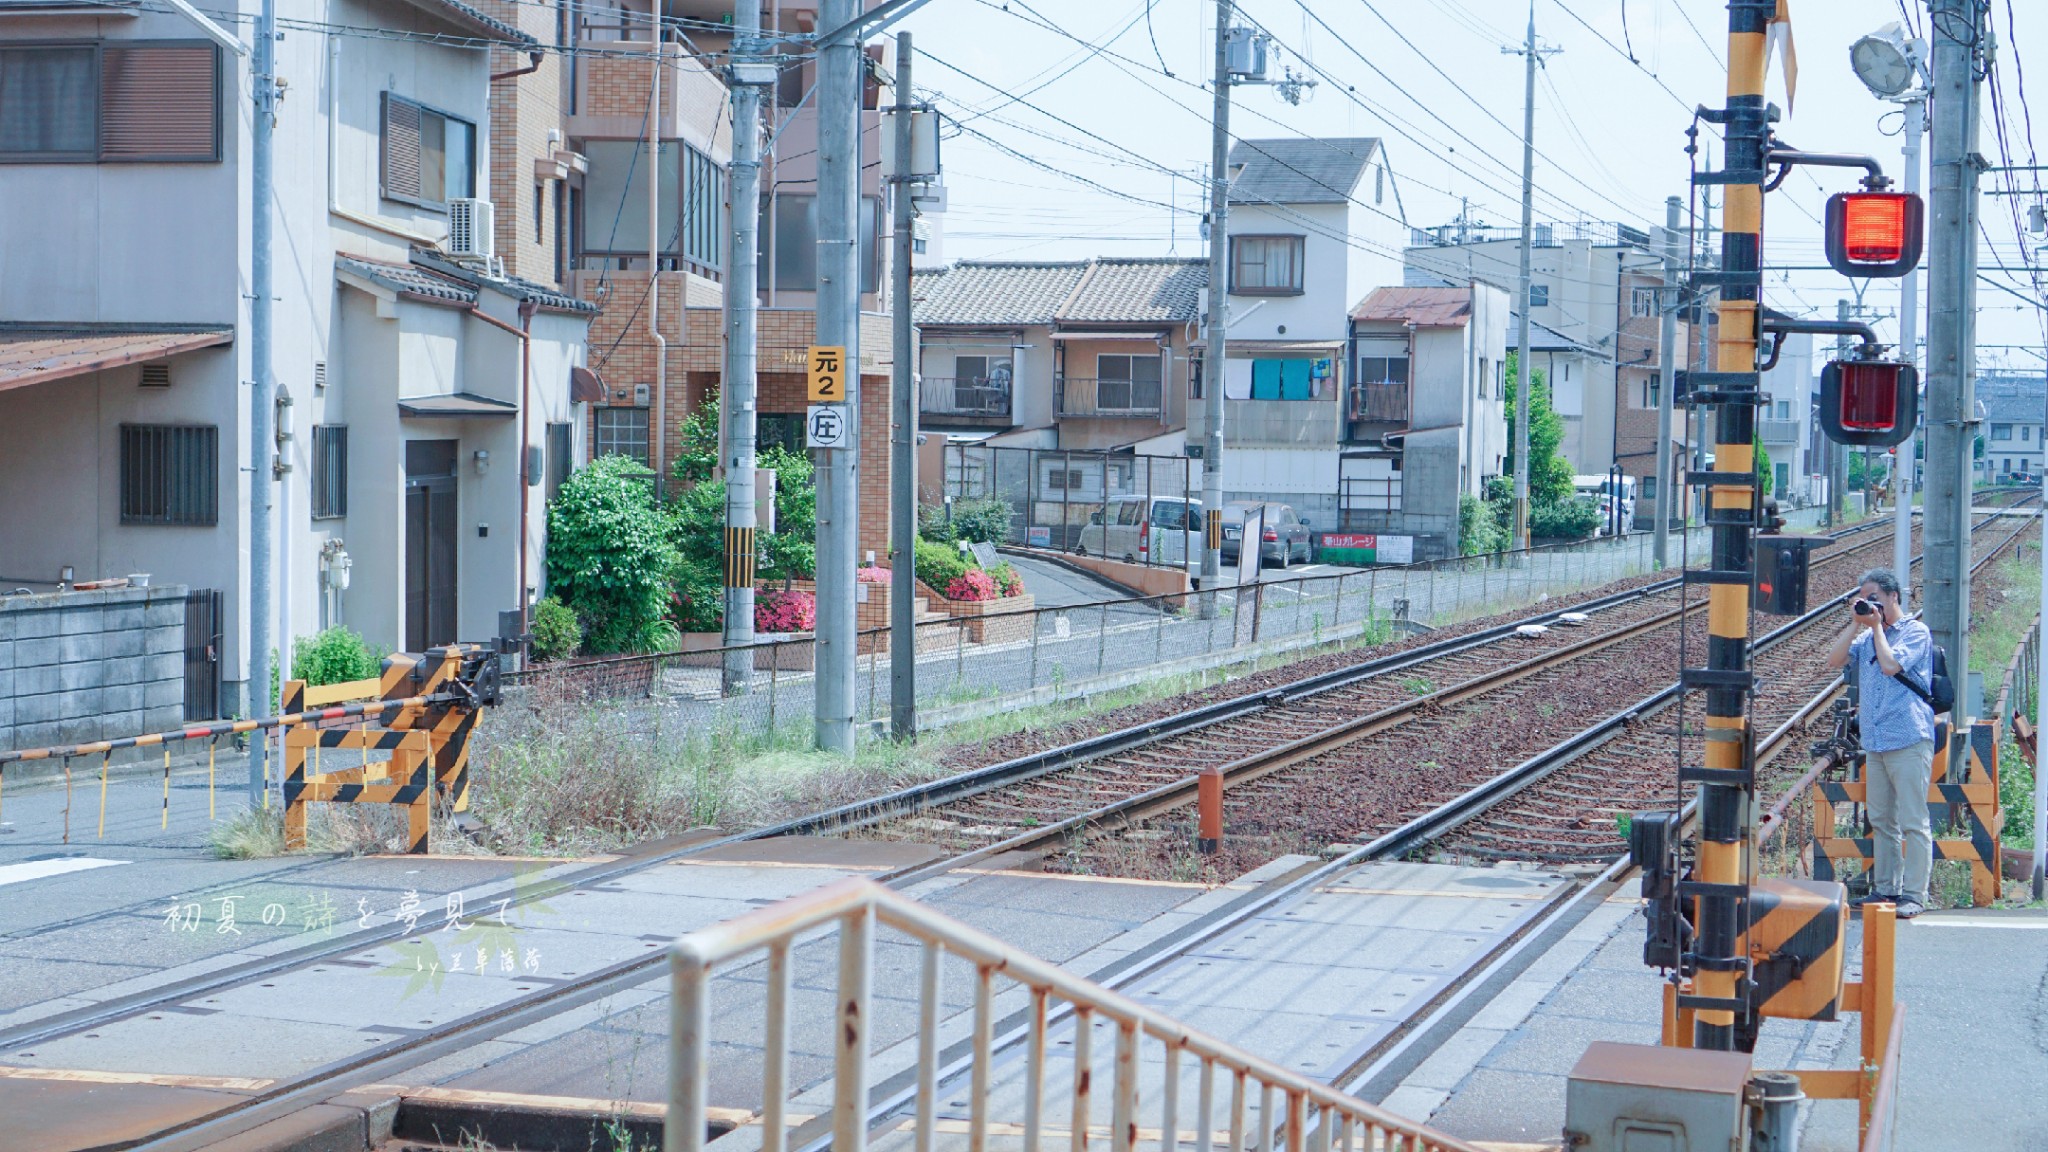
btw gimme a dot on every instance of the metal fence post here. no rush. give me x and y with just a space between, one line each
773 667
1337 613
1102 637
1037 618
959 653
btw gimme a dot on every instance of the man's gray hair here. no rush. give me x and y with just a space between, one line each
1885 579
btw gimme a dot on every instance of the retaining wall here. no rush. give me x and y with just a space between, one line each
83 666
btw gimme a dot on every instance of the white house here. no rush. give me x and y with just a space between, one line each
2013 430
1785 424
1314 225
411 387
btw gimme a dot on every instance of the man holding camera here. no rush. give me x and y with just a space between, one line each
1897 726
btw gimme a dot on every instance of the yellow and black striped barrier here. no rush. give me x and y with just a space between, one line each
1972 795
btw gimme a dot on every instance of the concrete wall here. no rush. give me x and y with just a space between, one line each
82 666
1319 312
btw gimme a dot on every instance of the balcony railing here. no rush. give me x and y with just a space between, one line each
1779 431
1380 403
975 396
1089 396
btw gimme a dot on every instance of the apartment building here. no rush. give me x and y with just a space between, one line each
424 393
2014 403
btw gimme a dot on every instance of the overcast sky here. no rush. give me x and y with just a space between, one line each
1609 136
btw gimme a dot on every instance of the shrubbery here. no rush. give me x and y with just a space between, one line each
938 565
335 656
975 521
1479 531
609 557
788 611
556 634
1565 519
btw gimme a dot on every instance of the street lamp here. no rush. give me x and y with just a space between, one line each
1886 61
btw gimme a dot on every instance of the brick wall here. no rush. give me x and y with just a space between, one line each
82 666
523 109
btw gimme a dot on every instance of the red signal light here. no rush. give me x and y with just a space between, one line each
1875 233
1872 403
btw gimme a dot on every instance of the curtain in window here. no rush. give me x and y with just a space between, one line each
48 102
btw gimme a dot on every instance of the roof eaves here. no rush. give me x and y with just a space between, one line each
474 22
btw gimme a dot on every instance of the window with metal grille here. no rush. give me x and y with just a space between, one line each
170 474
330 471
1127 383
560 446
1539 295
622 432
429 156
1266 265
128 101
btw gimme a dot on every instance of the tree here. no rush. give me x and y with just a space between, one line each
697 450
609 557
696 530
1763 465
1550 474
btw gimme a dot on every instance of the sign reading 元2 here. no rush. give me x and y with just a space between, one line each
826 364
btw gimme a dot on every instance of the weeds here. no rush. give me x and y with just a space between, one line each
251 834
1419 685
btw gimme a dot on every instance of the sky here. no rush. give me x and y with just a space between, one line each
1070 139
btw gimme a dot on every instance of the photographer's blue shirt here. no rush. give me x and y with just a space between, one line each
1889 714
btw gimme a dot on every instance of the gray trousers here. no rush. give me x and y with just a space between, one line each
1902 840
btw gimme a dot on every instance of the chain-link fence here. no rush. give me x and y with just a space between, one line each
1105 503
980 656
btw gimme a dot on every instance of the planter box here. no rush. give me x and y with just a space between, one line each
783 651
1004 620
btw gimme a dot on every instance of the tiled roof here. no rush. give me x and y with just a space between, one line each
473 21
522 289
2013 405
971 292
409 280
1423 307
32 353
1299 170
1119 290
1104 290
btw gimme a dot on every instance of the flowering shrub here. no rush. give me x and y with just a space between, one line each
872 574
786 612
974 584
1007 579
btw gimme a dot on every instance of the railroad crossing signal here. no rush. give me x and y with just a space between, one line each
1875 233
827 364
1872 403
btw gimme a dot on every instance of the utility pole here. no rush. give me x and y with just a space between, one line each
1533 56
838 325
1909 334
903 430
1837 455
750 77
1667 378
1219 308
263 389
1957 29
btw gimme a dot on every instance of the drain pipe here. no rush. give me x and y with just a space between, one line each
654 270
536 56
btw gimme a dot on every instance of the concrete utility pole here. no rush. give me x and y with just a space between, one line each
1909 335
1219 309
1667 379
736 395
1957 30
903 431
838 325
263 388
1533 56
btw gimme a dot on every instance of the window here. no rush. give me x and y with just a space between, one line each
1384 369
1064 479
1379 185
779 430
1539 295
118 102
622 432
1500 380
170 474
1171 515
1127 383
1266 265
1650 486
2026 432
540 204
429 157
1642 302
561 444
1481 376
1783 409
1652 395
917 244
2001 431
330 471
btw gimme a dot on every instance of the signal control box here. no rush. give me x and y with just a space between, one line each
1781 567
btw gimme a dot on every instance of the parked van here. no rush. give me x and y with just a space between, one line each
1597 487
1145 530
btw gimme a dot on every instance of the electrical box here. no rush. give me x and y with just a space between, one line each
1648 1098
1245 50
1781 567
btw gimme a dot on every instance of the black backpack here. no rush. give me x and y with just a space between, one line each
1942 695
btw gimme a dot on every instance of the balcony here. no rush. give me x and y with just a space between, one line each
1087 396
612 84
1779 431
964 399
1380 403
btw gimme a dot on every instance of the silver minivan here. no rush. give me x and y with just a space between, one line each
1144 530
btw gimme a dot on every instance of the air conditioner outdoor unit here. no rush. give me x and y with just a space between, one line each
470 229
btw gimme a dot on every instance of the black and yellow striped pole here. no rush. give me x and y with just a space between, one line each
1727 784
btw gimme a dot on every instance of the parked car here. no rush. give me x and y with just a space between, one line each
1284 538
1145 530
1601 489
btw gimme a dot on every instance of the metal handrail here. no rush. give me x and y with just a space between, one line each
1316 1117
1877 1136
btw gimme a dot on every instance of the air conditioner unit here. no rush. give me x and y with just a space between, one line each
470 228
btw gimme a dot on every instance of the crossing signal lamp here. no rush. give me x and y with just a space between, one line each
1875 233
1870 403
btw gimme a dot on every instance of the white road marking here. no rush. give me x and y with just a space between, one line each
39 869
2025 924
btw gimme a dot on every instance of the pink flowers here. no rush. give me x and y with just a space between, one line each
786 612
872 574
974 585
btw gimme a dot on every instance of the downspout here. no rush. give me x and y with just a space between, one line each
536 56
654 264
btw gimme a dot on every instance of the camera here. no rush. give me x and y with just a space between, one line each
1866 607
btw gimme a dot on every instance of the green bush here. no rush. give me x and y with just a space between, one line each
609 557
1564 519
940 564
696 530
556 633
335 656
932 524
981 521
792 552
1479 531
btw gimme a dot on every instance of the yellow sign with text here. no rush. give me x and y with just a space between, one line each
827 366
